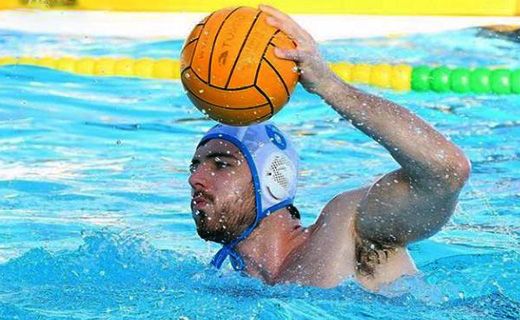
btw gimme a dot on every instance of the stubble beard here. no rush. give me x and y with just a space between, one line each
228 222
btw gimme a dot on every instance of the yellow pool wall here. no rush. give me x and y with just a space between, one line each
372 7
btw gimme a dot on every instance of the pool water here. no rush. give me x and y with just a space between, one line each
94 201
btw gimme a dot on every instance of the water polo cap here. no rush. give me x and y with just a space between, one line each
273 162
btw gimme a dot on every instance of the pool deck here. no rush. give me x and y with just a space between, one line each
178 25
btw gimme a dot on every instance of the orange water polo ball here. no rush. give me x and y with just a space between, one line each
230 71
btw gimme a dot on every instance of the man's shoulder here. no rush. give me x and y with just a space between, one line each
327 253
342 207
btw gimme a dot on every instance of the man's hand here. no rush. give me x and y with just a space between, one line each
314 71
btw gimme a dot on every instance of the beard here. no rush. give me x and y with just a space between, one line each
225 223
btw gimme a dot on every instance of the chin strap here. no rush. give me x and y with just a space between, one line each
229 249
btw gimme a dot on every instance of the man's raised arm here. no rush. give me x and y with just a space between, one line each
410 203
415 201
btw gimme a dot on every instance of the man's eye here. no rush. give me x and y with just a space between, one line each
221 164
192 167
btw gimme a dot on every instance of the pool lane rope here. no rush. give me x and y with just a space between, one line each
399 77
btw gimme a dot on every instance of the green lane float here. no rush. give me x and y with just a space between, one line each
465 80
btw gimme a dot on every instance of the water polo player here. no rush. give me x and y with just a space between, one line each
243 182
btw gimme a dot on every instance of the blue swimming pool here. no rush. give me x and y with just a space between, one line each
94 201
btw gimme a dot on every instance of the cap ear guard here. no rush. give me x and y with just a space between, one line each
278 176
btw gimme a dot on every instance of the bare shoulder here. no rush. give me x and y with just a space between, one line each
327 256
342 207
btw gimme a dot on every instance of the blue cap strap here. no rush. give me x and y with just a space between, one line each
220 257
228 250
236 260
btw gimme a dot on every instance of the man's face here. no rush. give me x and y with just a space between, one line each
223 203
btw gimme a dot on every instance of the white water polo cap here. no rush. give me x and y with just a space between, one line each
273 163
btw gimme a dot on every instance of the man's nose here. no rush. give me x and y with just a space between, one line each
199 177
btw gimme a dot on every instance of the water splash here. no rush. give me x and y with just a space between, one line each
120 274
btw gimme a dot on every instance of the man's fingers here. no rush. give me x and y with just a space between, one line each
288 29
273 12
288 54
273 22
285 23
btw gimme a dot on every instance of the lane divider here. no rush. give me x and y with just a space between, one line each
399 77
125 67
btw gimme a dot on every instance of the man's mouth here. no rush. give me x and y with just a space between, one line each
199 201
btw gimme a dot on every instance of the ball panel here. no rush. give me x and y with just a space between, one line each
251 54
272 85
186 54
286 68
206 18
238 99
201 56
228 44
231 116
195 33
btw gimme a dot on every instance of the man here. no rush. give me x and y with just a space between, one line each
243 183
